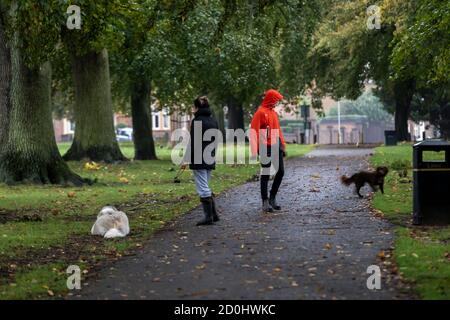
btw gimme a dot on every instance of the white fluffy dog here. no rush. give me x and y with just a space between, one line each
111 223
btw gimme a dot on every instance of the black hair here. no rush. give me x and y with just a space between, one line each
201 102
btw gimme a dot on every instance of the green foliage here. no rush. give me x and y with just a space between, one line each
101 21
423 37
400 165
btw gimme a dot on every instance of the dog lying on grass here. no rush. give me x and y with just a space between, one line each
111 223
373 178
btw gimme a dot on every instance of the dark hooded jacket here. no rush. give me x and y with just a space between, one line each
196 149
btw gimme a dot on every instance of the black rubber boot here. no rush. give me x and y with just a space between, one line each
216 217
273 203
266 208
208 211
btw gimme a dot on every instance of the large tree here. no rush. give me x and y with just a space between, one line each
230 55
148 64
422 37
28 150
347 53
95 137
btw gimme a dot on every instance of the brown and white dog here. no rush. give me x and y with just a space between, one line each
373 178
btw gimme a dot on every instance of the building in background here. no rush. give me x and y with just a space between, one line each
422 131
355 129
163 123
64 130
292 122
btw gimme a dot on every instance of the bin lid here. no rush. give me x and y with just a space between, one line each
432 143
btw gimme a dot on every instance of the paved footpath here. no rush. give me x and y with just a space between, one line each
318 247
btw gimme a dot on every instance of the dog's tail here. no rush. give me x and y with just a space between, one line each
346 180
114 233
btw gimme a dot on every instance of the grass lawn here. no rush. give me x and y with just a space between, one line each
44 229
421 253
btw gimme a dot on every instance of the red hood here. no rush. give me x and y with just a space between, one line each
271 99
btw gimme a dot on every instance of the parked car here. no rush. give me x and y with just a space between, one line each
124 135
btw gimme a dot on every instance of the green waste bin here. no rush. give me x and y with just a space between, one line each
390 138
431 190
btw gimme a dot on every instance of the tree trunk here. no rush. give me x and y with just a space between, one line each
28 151
144 144
5 81
444 118
403 92
235 114
95 137
220 117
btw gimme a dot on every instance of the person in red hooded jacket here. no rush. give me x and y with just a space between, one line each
267 141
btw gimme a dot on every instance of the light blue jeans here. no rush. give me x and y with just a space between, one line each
202 178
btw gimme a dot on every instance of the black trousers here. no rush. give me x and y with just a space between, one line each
265 176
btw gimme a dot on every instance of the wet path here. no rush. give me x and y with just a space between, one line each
318 247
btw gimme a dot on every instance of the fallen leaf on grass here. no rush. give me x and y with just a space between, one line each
124 180
382 255
92 166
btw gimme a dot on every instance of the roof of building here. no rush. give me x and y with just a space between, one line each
347 118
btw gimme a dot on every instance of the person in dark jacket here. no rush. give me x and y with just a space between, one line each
200 162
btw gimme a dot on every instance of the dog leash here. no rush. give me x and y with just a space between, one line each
180 172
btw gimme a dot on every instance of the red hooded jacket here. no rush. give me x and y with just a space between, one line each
265 124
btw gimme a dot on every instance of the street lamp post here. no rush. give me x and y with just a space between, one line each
305 114
339 123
